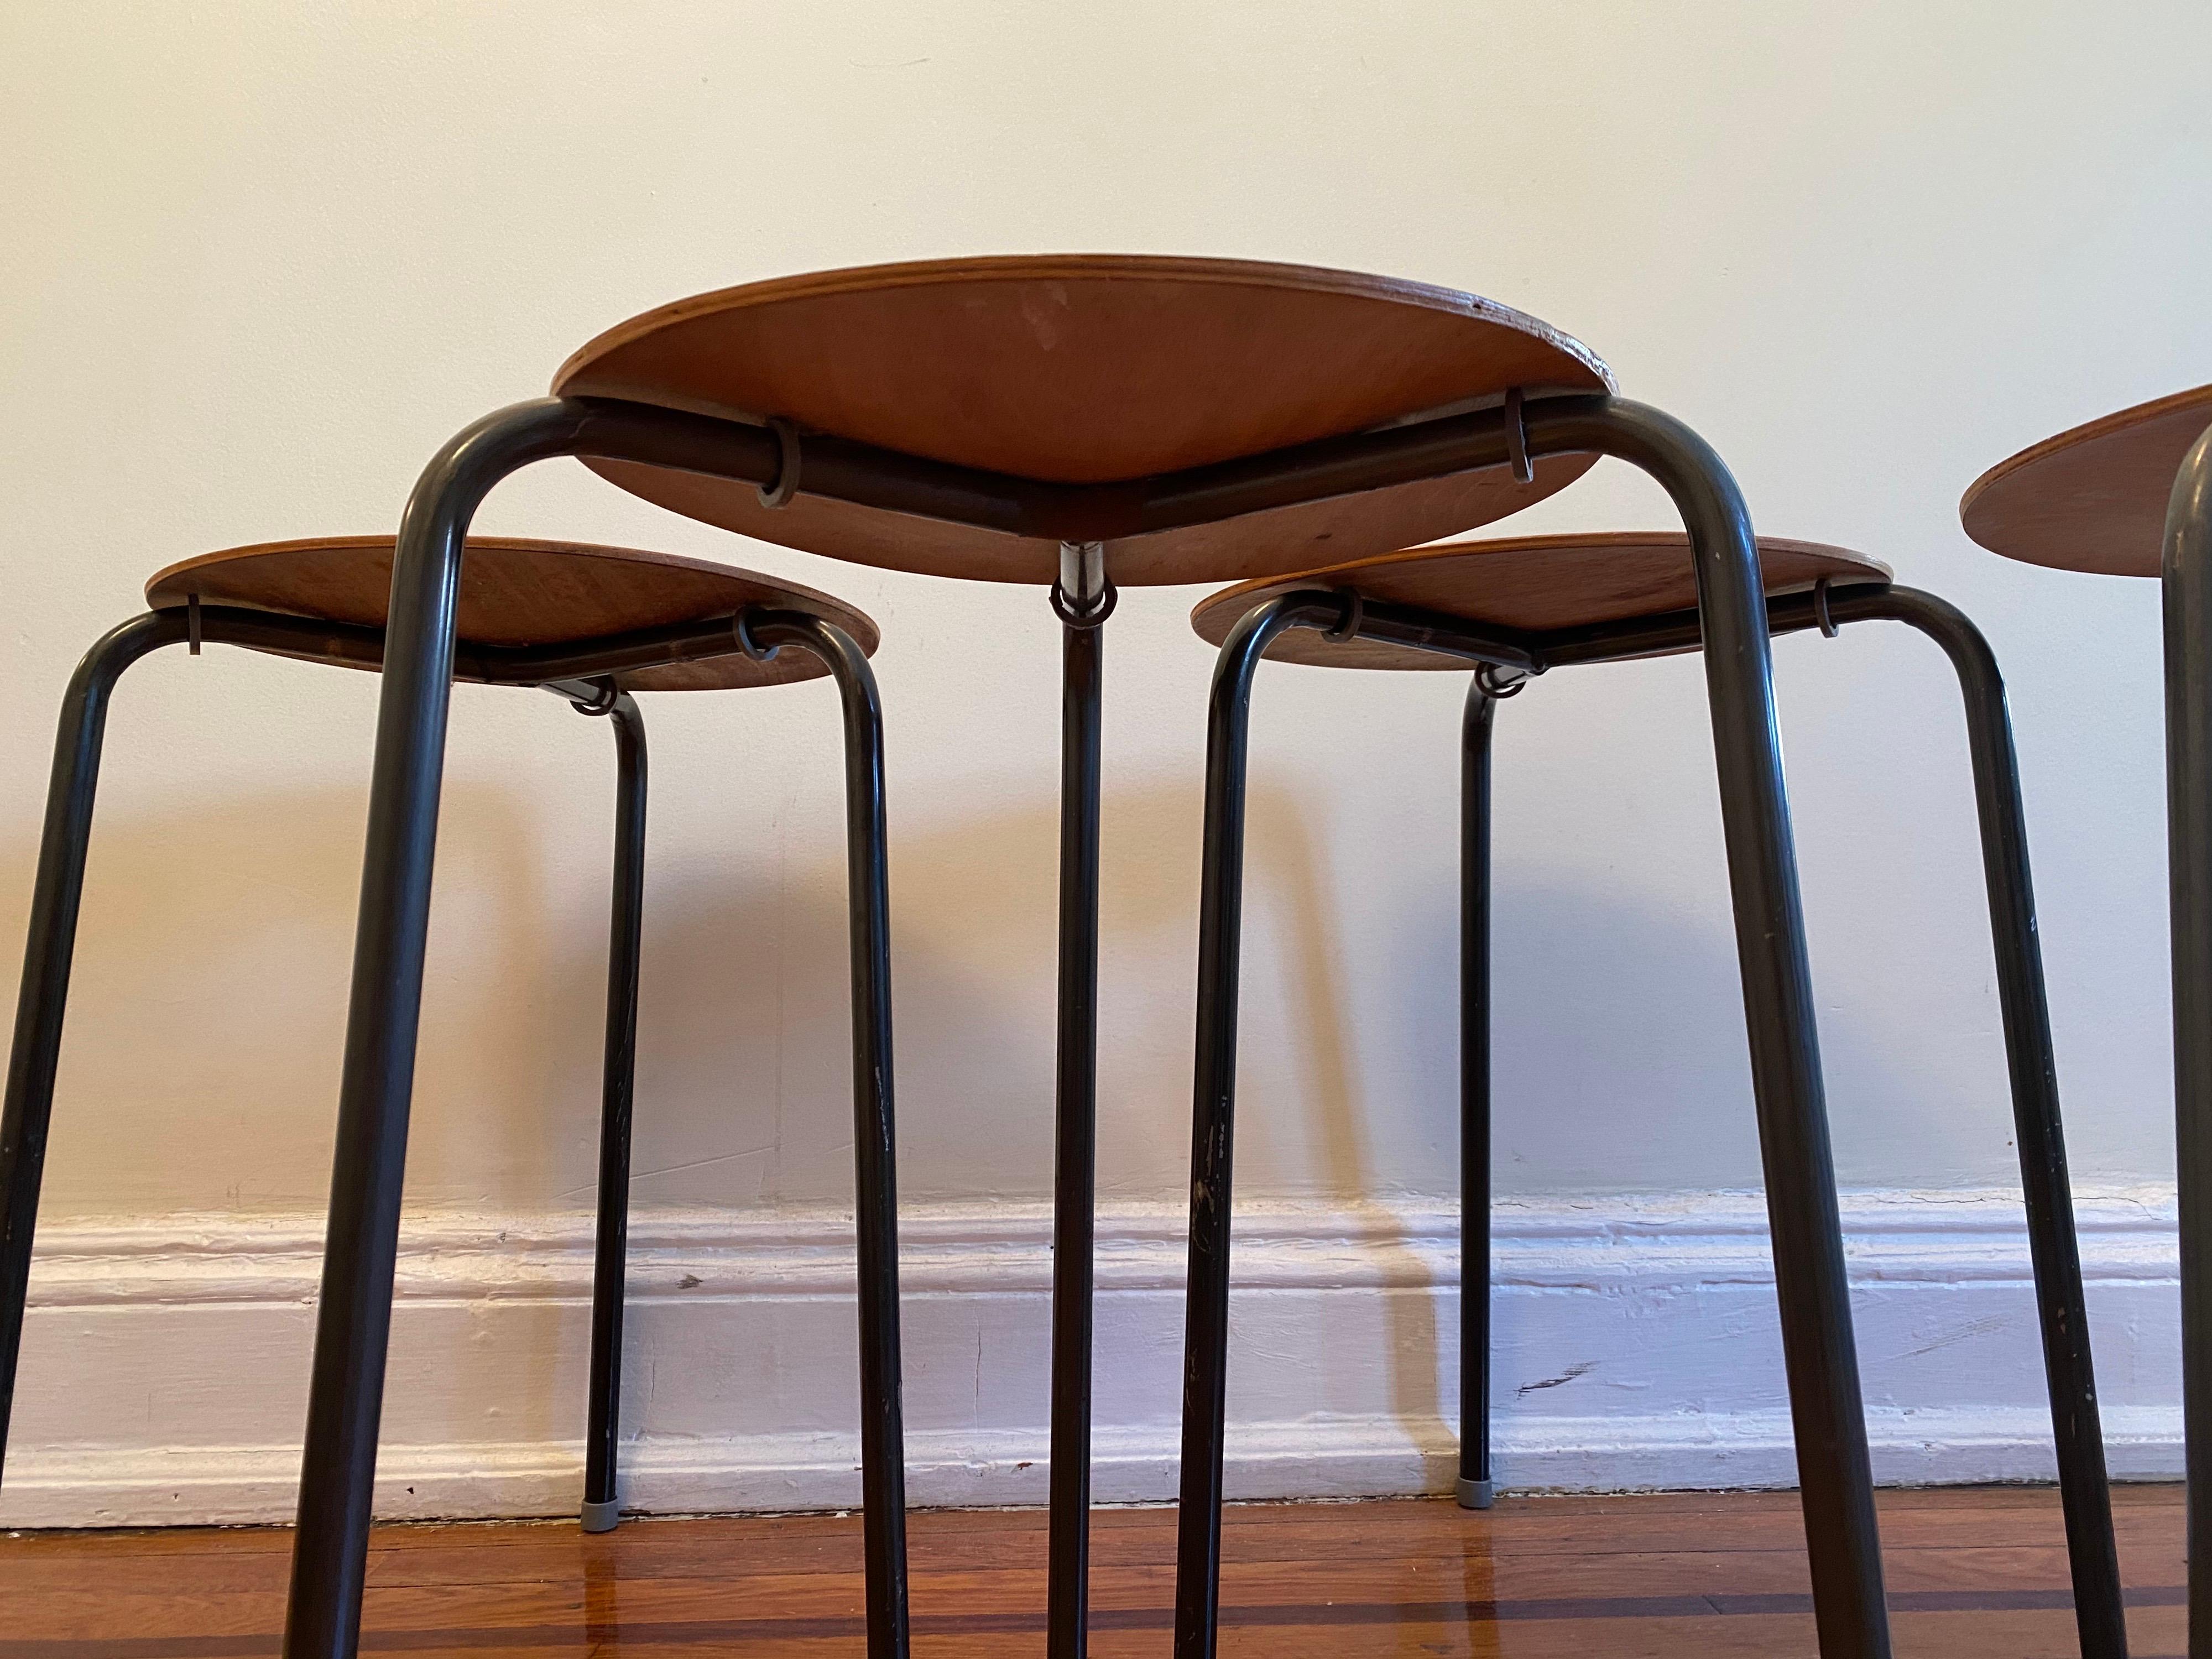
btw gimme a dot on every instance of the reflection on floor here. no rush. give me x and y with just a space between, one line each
1970 1573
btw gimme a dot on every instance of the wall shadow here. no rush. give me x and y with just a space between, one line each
226 930
1573 1114
200 1059
1284 870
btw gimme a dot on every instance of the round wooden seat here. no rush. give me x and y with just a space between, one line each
516 592
1088 369
2094 498
1535 583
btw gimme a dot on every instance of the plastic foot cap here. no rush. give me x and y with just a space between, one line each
603 1517
1477 1494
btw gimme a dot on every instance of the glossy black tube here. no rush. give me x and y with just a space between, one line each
834 467
1075 1134
1313 471
353 1321
617 1089
1476 1488
29 1100
353 1325
354 1315
1820 1354
2187 578
843 470
875 1171
43 997
1680 630
2062 1307
1450 636
1220 917
1835 1476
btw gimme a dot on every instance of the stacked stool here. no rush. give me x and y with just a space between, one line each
592 625
1096 421
1513 610
2130 494
1080 423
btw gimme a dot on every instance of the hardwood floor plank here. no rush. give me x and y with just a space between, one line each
1972 1575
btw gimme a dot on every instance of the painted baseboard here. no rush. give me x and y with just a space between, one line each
165 1363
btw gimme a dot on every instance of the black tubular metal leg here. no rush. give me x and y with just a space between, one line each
2188 604
883 1444
1834 1474
602 1508
44 997
2062 1307
353 1322
1205 1326
1477 1490
2060 1304
1083 602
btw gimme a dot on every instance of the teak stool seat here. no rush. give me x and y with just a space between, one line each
1512 609
1087 421
2094 498
1087 369
518 594
2130 494
592 624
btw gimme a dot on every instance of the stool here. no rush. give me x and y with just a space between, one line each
2131 496
1086 421
1513 610
592 625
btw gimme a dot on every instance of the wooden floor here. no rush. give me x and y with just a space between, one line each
1972 1575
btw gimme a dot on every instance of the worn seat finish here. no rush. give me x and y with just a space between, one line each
522 592
1089 369
1532 584
2094 498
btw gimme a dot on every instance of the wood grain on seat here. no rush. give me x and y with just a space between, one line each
1533 583
516 592
2094 498
1083 369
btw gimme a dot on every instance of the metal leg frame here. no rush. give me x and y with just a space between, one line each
1834 1475
353 1324
2188 603
883 1443
1083 599
1220 917
354 1313
337 1495
1477 1490
602 1508
44 994
1835 1478
2062 1306
44 997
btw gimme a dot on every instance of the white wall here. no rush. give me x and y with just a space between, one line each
260 259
